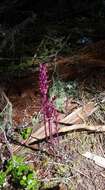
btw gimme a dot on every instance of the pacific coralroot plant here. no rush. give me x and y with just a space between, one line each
48 109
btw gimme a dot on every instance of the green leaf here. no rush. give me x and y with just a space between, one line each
25 133
2 178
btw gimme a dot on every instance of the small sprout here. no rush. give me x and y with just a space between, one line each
2 179
25 133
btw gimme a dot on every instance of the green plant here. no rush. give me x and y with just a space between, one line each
22 174
2 178
25 133
30 182
19 174
58 91
71 88
62 91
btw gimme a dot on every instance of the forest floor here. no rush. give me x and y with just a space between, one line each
64 167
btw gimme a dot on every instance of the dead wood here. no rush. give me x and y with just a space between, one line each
74 121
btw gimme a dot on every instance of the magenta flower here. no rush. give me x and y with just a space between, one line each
48 109
43 80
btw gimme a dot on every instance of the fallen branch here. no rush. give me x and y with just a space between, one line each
96 128
77 116
40 134
80 114
74 121
99 160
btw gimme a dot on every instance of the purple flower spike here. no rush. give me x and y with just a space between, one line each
48 109
43 79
